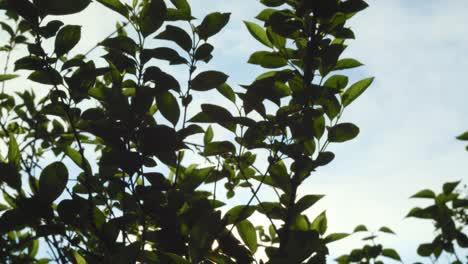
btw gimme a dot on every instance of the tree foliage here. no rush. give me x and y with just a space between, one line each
101 169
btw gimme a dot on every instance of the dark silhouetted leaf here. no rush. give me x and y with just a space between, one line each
208 80
212 24
176 35
66 39
52 182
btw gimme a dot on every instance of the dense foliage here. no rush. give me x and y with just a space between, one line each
105 168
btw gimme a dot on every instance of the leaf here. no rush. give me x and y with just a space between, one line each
212 24
269 60
463 136
280 176
307 201
24 8
448 187
204 52
50 77
324 158
78 258
320 223
425 250
391 253
116 6
61 7
6 77
77 158
227 92
208 135
14 155
218 148
215 114
168 106
265 14
163 54
258 33
387 230
355 90
121 43
177 35
424 194
52 181
360 228
208 80
345 64
66 39
238 213
152 16
343 132
335 237
248 234
337 82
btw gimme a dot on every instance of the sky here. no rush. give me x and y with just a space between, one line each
418 52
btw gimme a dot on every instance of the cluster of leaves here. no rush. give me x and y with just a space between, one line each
449 216
132 196
370 253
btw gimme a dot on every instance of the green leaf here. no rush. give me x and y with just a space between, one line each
66 39
448 187
116 6
265 14
6 77
391 253
227 92
212 24
52 181
424 194
463 136
337 82
77 158
208 80
50 77
168 106
335 237
177 35
248 234
343 132
238 213
345 64
306 202
320 223
14 155
218 148
269 60
152 16
360 228
78 258
387 230
355 90
208 135
258 33
61 7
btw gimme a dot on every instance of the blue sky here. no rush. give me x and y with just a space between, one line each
418 52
